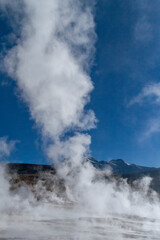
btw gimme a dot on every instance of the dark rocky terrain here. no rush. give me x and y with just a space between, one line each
32 173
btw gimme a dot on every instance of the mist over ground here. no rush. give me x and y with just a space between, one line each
85 206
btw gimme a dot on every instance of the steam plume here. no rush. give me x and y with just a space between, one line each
50 63
6 147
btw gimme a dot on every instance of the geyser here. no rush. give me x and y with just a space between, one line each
50 63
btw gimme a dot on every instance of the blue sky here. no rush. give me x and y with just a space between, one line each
126 95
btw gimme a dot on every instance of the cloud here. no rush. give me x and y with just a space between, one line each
153 126
6 147
150 92
143 30
50 65
149 95
146 39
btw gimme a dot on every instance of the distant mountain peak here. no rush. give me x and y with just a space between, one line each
119 166
117 161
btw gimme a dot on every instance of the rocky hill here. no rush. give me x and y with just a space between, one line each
31 173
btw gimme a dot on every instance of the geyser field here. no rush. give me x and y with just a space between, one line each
82 205
48 55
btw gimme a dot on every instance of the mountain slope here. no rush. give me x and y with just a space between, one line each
31 173
119 166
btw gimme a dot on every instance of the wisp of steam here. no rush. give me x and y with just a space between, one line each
50 62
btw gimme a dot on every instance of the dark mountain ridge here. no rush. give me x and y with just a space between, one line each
117 167
31 173
28 168
120 167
